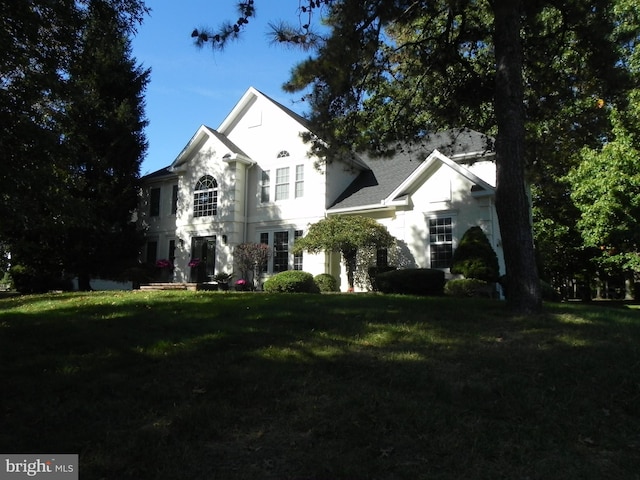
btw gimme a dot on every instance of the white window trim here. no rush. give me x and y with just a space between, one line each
292 182
454 232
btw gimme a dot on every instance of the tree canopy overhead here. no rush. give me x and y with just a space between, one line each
533 74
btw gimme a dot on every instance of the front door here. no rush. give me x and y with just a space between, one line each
203 249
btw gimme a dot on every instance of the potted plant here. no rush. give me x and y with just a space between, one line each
222 279
242 285
165 269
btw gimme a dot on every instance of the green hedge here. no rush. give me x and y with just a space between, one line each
291 281
412 281
468 287
326 282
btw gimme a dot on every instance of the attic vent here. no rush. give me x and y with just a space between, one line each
282 154
477 188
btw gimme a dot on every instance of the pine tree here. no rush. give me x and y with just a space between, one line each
106 145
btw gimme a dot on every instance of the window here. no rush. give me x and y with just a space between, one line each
297 258
441 242
282 183
172 251
265 187
205 197
152 252
282 154
280 251
281 258
299 190
154 202
174 200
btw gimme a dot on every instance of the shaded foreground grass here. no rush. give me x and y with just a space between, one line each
183 385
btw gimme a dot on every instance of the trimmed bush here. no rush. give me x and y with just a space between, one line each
326 282
291 281
373 275
468 287
412 281
474 257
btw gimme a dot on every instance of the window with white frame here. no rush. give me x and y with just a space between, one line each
281 243
205 197
265 187
282 183
286 184
280 251
441 241
299 186
297 258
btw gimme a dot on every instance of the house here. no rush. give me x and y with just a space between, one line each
253 180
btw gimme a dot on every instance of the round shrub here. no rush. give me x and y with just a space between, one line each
412 281
326 282
291 281
467 287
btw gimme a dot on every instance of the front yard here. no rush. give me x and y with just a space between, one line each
211 385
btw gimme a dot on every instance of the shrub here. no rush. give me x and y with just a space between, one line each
28 280
291 281
326 282
468 287
549 293
373 275
474 257
412 281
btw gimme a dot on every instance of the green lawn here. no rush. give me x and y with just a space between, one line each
185 385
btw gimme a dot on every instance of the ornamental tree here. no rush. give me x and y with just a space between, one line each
251 259
474 257
345 234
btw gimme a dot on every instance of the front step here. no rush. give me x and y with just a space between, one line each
154 287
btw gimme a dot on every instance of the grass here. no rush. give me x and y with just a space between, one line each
184 385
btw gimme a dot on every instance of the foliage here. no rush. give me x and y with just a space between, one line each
468 287
326 282
291 281
251 259
345 234
606 190
412 281
72 142
475 258
373 273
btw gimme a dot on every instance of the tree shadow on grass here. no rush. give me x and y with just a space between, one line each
314 387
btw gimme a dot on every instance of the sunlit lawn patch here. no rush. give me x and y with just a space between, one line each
186 385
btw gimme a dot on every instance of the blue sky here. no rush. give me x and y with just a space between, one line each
189 86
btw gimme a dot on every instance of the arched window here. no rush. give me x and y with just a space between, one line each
205 197
283 154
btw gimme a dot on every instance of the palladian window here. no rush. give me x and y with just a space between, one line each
205 197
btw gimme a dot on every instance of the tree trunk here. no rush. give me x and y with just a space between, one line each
350 264
84 282
522 286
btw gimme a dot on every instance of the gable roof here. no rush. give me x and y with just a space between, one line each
199 139
389 180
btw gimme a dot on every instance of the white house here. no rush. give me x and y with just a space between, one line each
253 180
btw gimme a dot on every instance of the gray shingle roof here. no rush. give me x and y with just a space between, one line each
386 174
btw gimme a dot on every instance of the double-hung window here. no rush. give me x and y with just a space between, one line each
280 251
441 241
282 183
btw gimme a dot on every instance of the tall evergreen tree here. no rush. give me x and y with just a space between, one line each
106 145
39 177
